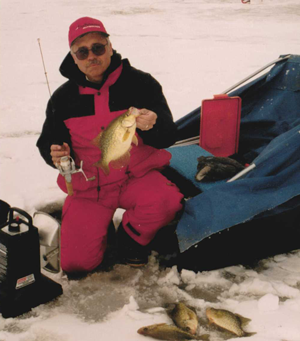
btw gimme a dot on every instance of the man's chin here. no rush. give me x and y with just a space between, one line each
95 78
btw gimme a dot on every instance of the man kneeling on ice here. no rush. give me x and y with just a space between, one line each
115 119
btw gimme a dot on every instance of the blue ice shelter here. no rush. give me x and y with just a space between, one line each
257 215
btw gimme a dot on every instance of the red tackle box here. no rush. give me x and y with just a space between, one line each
220 125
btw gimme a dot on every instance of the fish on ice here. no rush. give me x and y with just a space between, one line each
229 321
184 318
163 331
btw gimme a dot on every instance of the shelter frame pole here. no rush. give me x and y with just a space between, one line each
255 73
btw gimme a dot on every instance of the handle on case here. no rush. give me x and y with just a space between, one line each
221 96
23 213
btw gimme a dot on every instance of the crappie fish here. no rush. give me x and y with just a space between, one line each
184 318
228 320
115 141
163 331
214 168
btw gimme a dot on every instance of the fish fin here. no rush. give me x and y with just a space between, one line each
244 320
202 173
249 334
204 337
135 140
192 313
126 135
123 161
96 140
103 166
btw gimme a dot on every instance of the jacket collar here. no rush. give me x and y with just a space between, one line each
111 79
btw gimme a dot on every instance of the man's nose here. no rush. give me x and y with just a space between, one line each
91 54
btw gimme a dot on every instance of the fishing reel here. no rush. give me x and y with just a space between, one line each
67 167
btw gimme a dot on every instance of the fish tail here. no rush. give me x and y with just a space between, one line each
249 334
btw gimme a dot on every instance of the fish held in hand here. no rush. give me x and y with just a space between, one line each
184 318
163 331
115 141
229 321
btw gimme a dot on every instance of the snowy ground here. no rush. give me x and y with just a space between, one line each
195 48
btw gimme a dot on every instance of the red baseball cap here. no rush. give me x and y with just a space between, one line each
85 25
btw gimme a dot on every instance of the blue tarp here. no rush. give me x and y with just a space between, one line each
270 138
275 180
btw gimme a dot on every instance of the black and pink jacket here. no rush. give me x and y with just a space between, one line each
79 110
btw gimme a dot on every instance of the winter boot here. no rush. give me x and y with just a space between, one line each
131 252
165 243
111 234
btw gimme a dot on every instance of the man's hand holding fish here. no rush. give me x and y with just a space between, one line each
146 119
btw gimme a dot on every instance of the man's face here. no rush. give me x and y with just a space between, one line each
93 66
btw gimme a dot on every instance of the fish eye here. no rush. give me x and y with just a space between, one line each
145 329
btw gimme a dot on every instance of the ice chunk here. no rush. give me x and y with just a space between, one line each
188 276
132 305
171 278
269 302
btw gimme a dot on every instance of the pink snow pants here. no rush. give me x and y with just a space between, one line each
151 202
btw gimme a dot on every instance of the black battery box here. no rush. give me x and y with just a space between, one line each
22 286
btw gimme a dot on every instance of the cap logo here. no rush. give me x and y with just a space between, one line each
85 26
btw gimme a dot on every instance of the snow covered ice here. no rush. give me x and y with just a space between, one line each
195 48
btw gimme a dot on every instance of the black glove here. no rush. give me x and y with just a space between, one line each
213 168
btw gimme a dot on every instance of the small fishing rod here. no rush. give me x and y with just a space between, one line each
66 166
47 81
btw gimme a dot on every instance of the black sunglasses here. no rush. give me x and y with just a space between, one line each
83 52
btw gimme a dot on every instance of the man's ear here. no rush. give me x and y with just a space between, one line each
111 49
73 56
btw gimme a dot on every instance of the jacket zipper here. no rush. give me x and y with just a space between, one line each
98 187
